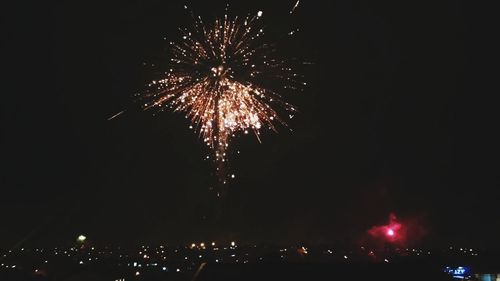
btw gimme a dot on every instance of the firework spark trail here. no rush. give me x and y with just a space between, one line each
216 78
116 115
295 7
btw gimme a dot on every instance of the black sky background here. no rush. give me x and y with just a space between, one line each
389 122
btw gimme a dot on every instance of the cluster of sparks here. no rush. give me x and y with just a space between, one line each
223 77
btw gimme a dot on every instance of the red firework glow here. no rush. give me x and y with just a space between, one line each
391 232
398 232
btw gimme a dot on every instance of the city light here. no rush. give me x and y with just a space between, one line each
167 259
81 238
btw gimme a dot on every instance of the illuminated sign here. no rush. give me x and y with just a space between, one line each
459 272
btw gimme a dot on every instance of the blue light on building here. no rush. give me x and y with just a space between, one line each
460 272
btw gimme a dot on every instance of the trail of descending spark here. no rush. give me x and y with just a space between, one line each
295 7
116 115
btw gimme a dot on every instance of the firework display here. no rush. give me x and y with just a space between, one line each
227 79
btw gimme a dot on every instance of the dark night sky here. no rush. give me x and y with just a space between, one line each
387 124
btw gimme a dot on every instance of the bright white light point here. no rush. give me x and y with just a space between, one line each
213 243
81 238
233 243
137 273
345 257
178 270
259 13
232 176
164 268
390 232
